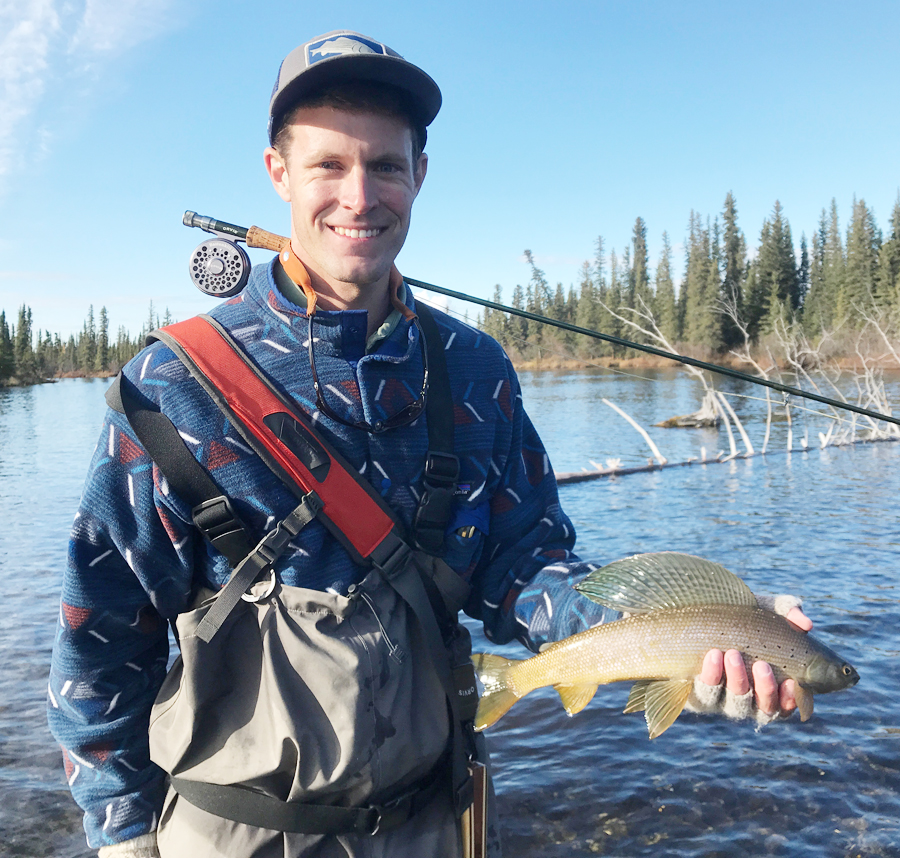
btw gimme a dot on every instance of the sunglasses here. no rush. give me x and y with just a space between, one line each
403 417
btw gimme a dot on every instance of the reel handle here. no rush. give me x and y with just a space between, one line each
257 237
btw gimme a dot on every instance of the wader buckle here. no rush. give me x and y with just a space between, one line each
272 545
439 492
390 555
219 523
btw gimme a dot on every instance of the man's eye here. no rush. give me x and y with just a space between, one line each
387 168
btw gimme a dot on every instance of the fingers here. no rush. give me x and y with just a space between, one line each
786 696
770 698
766 688
713 667
799 619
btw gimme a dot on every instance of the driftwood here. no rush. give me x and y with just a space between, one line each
707 416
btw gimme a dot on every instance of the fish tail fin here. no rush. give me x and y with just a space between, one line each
498 695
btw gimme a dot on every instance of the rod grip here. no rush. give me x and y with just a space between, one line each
257 237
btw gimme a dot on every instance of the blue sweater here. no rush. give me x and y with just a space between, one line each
135 558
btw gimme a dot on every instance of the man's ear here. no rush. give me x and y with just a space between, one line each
420 171
278 173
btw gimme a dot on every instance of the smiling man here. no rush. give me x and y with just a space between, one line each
327 710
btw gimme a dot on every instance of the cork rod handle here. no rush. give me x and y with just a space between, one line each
257 237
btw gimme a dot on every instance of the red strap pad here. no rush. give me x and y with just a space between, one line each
347 502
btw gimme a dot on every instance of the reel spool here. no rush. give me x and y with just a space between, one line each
219 267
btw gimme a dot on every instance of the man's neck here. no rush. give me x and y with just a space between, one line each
374 299
328 294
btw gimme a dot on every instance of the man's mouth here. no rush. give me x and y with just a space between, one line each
358 233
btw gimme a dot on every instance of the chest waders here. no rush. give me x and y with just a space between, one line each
298 711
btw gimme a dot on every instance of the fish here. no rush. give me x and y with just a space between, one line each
676 607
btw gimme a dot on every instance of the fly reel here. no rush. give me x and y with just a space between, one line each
220 268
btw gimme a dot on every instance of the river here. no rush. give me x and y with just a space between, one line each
820 523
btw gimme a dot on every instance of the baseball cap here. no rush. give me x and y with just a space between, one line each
344 55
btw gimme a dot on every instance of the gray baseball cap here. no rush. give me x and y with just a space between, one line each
343 55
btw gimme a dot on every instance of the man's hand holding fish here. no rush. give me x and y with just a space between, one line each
761 697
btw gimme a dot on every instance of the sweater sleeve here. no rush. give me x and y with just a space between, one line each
523 585
128 570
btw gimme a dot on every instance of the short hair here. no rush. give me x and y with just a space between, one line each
356 96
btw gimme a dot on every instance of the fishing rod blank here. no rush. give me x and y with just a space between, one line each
228 233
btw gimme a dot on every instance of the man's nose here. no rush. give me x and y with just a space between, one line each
358 191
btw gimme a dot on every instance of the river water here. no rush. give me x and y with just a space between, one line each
822 523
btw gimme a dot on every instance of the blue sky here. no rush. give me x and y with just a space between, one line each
561 122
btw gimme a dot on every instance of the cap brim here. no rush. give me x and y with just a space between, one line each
426 95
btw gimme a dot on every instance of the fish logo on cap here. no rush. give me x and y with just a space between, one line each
341 45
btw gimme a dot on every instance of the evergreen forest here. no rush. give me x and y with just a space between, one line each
28 356
828 291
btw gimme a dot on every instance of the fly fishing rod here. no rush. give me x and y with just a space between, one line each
221 268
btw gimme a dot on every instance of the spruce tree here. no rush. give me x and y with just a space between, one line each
889 267
614 295
86 351
518 327
664 309
803 270
101 357
835 265
702 325
26 370
819 305
734 269
7 351
861 269
777 279
640 271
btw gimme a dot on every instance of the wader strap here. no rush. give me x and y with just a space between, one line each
210 509
262 811
441 473
261 559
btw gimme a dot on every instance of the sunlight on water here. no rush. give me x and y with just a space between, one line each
822 524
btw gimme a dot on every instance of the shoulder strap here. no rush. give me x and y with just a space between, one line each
441 473
281 435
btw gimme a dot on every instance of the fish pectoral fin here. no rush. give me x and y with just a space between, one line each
575 697
661 701
804 698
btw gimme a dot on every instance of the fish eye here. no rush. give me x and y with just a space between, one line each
847 670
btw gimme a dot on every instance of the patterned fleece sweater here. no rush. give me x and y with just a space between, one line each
135 558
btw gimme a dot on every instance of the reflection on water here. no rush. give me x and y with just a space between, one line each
823 524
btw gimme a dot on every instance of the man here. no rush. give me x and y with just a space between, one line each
319 694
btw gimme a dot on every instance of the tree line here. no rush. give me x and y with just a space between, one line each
28 356
834 283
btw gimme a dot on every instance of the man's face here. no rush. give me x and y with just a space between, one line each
351 181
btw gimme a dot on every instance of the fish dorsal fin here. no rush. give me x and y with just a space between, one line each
655 582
